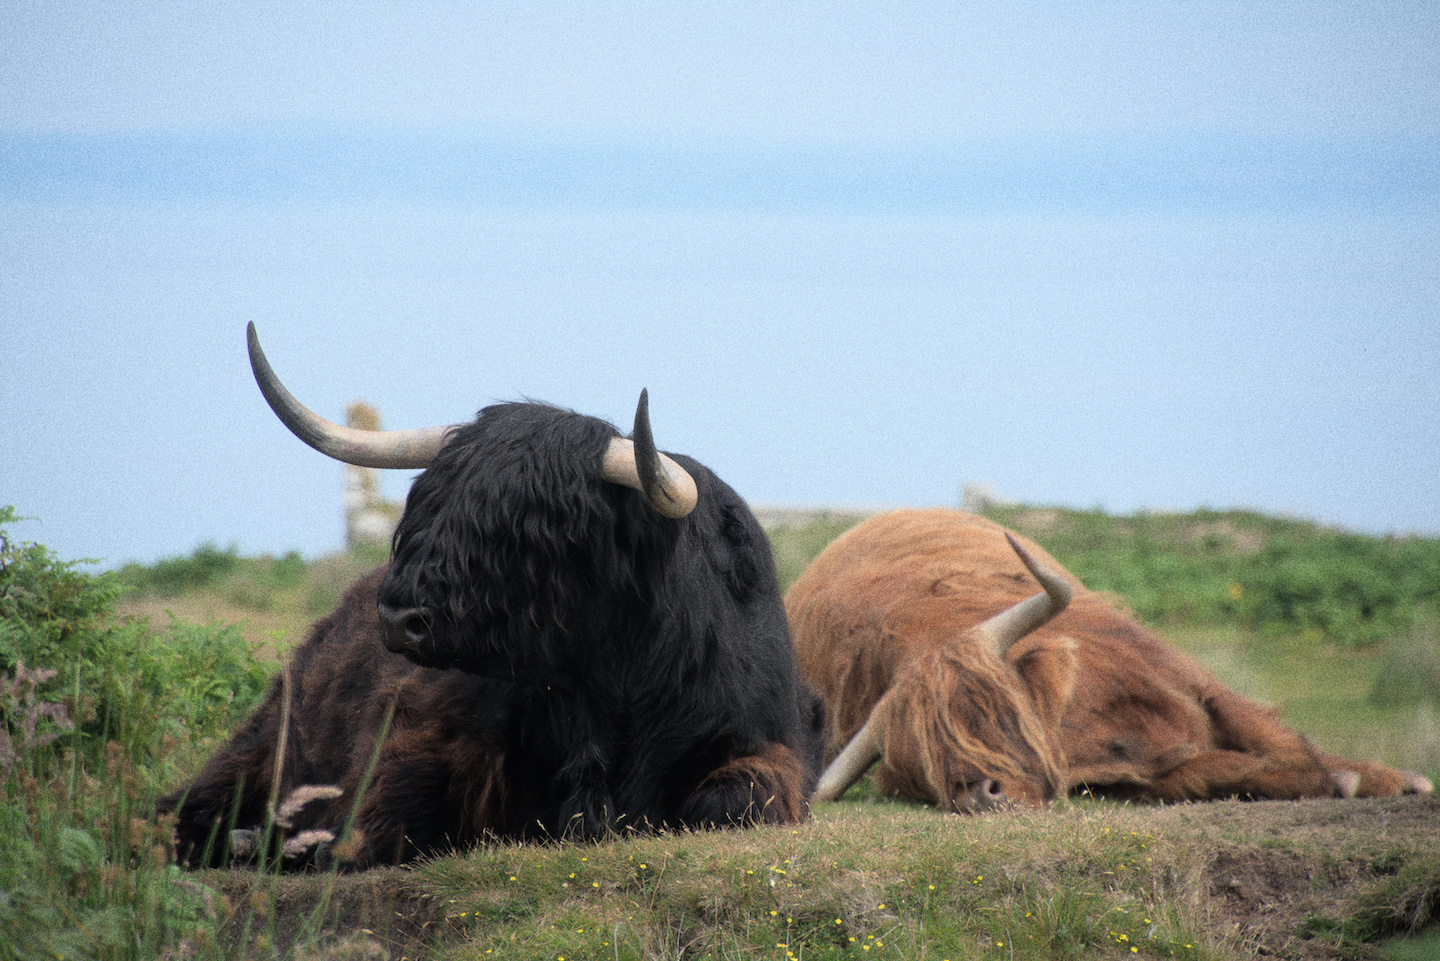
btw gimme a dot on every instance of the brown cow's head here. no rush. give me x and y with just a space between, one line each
966 726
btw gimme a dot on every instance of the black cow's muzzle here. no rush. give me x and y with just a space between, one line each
429 639
408 630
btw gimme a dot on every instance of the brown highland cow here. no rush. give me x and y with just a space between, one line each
921 633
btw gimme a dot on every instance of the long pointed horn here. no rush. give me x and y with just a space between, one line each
849 765
638 465
363 448
1009 626
635 464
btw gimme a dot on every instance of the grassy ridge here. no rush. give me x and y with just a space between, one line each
107 712
867 881
878 879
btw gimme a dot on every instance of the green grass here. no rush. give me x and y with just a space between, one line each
1425 947
859 881
130 709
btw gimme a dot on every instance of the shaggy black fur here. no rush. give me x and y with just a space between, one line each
589 666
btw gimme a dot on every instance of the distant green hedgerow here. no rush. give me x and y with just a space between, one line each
1268 573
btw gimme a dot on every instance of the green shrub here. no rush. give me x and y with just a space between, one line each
46 605
126 682
1271 574
97 715
205 567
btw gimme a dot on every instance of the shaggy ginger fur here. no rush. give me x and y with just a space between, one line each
1092 700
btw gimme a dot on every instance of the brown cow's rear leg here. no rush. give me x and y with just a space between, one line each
1256 757
1223 774
1246 725
1372 779
761 788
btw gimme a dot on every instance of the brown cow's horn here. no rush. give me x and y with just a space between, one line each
849 765
638 465
363 448
1009 626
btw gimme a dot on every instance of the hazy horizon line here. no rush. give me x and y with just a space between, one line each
1168 173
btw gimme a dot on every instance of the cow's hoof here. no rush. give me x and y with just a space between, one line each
1417 783
306 844
244 842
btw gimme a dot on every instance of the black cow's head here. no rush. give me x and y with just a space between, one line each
518 557
538 543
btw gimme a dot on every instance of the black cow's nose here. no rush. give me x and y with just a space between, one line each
406 628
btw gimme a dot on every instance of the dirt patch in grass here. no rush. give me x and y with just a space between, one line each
381 913
1285 877
1283 872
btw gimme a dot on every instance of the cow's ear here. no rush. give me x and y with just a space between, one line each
1049 669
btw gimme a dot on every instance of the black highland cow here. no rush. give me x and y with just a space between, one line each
576 635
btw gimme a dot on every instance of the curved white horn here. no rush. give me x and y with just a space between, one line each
638 465
1010 625
849 765
363 448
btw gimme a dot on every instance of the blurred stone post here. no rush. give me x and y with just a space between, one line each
977 498
369 518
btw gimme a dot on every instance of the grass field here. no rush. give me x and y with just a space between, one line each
133 706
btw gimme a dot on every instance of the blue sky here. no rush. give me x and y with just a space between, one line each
1134 256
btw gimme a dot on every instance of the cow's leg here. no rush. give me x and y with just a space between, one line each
435 787
588 812
1372 779
231 790
1222 774
1255 756
764 788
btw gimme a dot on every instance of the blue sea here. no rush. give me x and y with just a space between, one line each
1137 322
